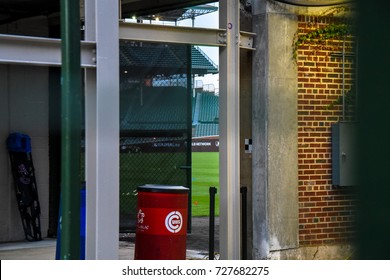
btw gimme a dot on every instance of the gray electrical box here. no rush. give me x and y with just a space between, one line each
344 154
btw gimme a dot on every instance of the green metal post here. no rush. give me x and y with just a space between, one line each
71 129
374 133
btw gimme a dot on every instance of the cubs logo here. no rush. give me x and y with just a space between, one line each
174 221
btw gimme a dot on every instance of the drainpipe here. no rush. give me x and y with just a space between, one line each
343 77
70 129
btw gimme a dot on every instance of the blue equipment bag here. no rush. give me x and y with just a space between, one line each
19 148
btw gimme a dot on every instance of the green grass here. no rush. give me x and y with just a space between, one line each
205 173
139 169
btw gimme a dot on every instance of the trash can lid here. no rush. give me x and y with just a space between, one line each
162 188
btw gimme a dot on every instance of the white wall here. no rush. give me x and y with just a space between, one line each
23 108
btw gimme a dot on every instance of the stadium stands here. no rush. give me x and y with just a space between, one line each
206 116
163 108
206 129
155 108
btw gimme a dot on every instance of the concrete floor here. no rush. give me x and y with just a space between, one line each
46 250
197 245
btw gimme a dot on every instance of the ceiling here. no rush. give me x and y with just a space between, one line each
141 8
13 10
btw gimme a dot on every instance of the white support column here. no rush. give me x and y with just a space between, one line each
107 86
102 132
229 132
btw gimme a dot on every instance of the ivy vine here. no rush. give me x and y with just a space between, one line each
321 35
321 39
333 31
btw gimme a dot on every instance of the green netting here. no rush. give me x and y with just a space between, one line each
155 119
156 111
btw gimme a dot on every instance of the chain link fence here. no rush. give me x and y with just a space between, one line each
155 119
148 160
155 140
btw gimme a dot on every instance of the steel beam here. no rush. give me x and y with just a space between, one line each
230 132
107 134
47 52
246 40
40 51
102 132
172 34
181 35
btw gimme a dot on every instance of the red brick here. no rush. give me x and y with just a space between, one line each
328 213
322 236
316 242
328 230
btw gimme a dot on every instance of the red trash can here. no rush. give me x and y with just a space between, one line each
161 231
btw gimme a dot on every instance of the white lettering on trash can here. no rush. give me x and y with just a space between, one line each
140 216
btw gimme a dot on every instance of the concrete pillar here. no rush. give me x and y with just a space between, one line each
274 130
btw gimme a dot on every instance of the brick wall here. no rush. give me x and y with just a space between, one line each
326 212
